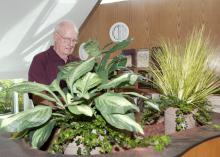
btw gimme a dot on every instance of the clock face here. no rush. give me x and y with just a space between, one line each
83 55
119 32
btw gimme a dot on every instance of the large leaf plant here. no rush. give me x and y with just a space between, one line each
89 93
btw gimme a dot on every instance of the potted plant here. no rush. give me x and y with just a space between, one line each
184 79
90 114
5 97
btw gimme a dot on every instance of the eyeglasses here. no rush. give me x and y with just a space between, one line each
68 40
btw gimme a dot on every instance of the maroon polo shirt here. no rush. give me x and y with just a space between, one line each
44 67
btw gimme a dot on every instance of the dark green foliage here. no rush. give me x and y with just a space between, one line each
97 133
159 142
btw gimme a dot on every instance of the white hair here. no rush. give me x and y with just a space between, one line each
63 23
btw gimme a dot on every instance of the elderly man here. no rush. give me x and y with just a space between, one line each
44 67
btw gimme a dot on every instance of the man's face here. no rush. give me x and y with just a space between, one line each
65 41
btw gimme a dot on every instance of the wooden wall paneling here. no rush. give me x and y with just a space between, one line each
213 20
107 18
137 24
123 12
152 17
151 20
185 12
168 19
89 30
146 24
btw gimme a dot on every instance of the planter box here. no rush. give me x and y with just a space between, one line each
170 120
215 102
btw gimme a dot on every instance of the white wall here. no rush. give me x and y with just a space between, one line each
26 27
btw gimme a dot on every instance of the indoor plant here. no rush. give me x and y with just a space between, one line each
183 76
88 112
5 98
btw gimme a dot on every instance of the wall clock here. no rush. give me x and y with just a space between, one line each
119 32
83 55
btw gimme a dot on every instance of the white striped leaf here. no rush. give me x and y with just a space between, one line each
81 109
41 135
27 119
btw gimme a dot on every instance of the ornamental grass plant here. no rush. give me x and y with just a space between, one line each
182 73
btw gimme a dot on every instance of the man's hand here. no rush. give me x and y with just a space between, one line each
46 102
38 100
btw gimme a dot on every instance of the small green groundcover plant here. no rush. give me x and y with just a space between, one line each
183 76
88 107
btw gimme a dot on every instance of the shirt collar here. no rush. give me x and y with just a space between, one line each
54 56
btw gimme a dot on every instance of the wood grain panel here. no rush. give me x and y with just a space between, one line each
150 21
210 148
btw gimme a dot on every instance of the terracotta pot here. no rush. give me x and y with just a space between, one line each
170 120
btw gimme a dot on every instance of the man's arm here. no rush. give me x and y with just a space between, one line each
37 73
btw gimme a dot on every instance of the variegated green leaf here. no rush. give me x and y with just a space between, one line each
132 79
129 78
29 87
114 103
151 104
79 71
87 82
117 63
27 119
102 68
83 95
114 108
45 96
75 103
121 121
42 134
69 98
55 86
81 109
135 94
121 45
92 48
66 69
36 88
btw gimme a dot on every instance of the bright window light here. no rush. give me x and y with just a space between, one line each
111 1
